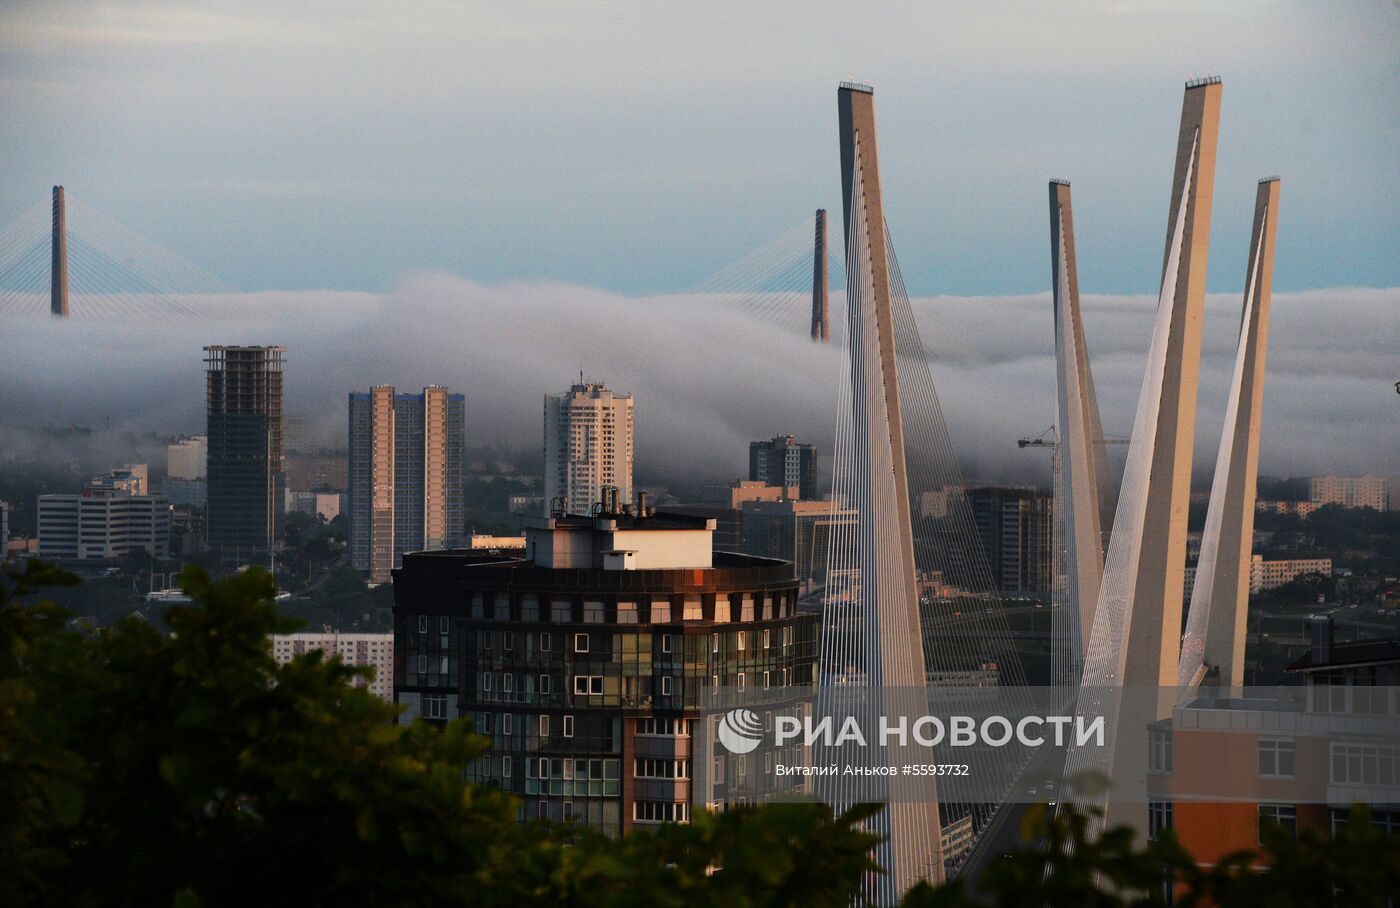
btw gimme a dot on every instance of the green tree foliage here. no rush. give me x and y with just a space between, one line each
139 767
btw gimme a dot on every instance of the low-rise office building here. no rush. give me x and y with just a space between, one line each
110 518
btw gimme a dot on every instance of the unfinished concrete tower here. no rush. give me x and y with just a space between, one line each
1212 651
58 280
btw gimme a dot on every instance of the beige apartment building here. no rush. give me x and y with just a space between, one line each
1350 491
1269 575
587 446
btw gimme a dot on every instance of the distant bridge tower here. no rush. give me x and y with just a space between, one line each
58 283
821 324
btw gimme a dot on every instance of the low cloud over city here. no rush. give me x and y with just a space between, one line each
710 373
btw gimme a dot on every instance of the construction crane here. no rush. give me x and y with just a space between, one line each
1050 439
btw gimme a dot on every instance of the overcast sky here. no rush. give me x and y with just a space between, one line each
637 147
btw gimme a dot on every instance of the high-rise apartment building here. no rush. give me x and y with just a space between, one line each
1014 523
1350 491
785 462
405 475
374 651
245 465
596 665
587 446
112 517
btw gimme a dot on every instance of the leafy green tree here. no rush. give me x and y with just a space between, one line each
187 768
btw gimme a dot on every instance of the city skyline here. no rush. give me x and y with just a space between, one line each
1055 548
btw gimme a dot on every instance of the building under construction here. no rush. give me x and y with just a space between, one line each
246 469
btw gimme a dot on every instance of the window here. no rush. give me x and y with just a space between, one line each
665 643
580 643
487 636
422 624
662 727
714 643
722 609
568 726
502 606
442 624
1364 764
588 685
651 768
741 681
561 611
544 642
627 613
443 666
435 706
1277 758
660 611
530 608
741 641
508 638
1285 815
507 724
694 611
422 665
766 681
505 766
1159 751
665 685
546 684
1159 818
592 612
660 812
486 681
544 726
767 637
508 683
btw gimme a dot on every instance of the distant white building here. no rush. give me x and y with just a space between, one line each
373 650
110 518
325 505
1350 491
1269 575
587 446
188 458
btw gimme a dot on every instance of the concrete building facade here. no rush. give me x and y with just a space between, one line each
1272 574
785 462
1015 525
1350 491
405 475
374 651
588 442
